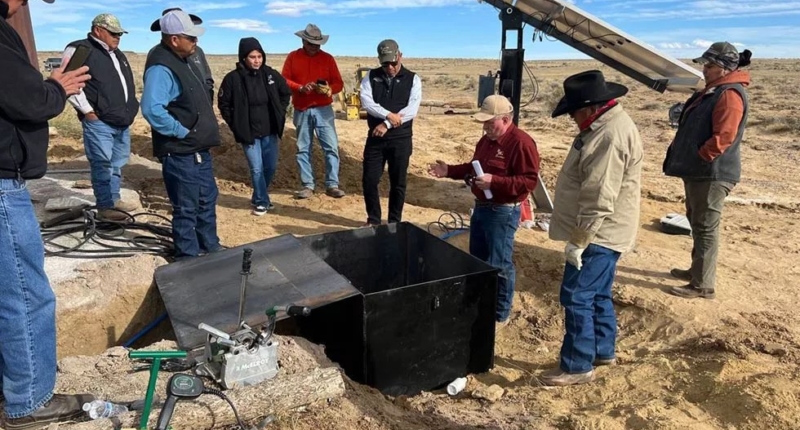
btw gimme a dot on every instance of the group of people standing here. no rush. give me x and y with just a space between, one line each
596 198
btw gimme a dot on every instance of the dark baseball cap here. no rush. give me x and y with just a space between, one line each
388 51
723 54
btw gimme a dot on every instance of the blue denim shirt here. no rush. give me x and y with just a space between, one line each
160 88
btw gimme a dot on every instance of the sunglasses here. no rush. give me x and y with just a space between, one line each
389 63
192 39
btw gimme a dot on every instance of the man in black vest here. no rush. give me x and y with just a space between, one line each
198 58
391 95
177 105
106 109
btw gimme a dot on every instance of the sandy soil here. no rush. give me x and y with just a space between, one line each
729 363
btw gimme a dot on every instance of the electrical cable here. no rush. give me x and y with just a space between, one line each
451 227
222 395
113 238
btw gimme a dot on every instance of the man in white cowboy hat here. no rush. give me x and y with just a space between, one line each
28 311
106 109
596 211
198 58
314 78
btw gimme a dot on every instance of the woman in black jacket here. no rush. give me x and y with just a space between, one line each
252 100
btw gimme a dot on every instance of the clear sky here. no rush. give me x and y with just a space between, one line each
431 28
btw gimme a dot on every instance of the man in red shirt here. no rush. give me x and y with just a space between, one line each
510 162
314 78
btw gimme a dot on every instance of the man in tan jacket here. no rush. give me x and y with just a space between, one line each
596 212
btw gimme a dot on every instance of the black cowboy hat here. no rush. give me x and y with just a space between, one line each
586 89
156 25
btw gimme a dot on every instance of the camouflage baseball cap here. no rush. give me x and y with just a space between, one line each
723 54
388 51
109 22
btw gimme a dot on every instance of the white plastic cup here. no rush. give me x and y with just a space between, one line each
456 386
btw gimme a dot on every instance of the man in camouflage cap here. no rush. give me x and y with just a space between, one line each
106 109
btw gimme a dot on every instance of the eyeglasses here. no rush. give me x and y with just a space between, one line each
192 39
389 63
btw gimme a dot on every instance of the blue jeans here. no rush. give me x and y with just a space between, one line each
107 149
319 119
27 306
491 238
262 157
590 322
193 193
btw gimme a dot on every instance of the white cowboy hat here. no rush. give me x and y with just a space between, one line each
312 34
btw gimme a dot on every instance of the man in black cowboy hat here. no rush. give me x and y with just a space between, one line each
596 212
198 58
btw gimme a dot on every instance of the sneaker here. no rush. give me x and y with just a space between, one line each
559 378
259 210
61 408
692 292
681 274
126 206
304 193
334 192
604 362
111 214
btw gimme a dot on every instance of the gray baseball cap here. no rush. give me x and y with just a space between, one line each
388 51
179 22
723 54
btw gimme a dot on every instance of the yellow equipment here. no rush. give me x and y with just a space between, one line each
351 104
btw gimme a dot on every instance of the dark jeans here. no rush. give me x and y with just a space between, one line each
590 321
193 193
704 202
377 153
491 238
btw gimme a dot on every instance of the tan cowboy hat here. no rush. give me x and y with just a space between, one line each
312 34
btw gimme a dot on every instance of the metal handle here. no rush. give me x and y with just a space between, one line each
215 331
246 261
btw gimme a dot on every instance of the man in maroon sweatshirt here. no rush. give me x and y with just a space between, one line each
510 163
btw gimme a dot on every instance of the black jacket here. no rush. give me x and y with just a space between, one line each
232 97
104 91
27 102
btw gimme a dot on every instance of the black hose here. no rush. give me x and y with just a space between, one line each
113 238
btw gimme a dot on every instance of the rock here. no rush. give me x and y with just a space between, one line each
53 131
491 393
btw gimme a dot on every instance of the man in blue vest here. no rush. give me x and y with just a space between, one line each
106 109
391 95
176 103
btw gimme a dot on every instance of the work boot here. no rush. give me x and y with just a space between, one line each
604 362
558 378
304 193
334 192
691 292
126 206
60 408
500 325
112 215
681 274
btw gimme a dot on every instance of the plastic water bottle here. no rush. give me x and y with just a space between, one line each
103 409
